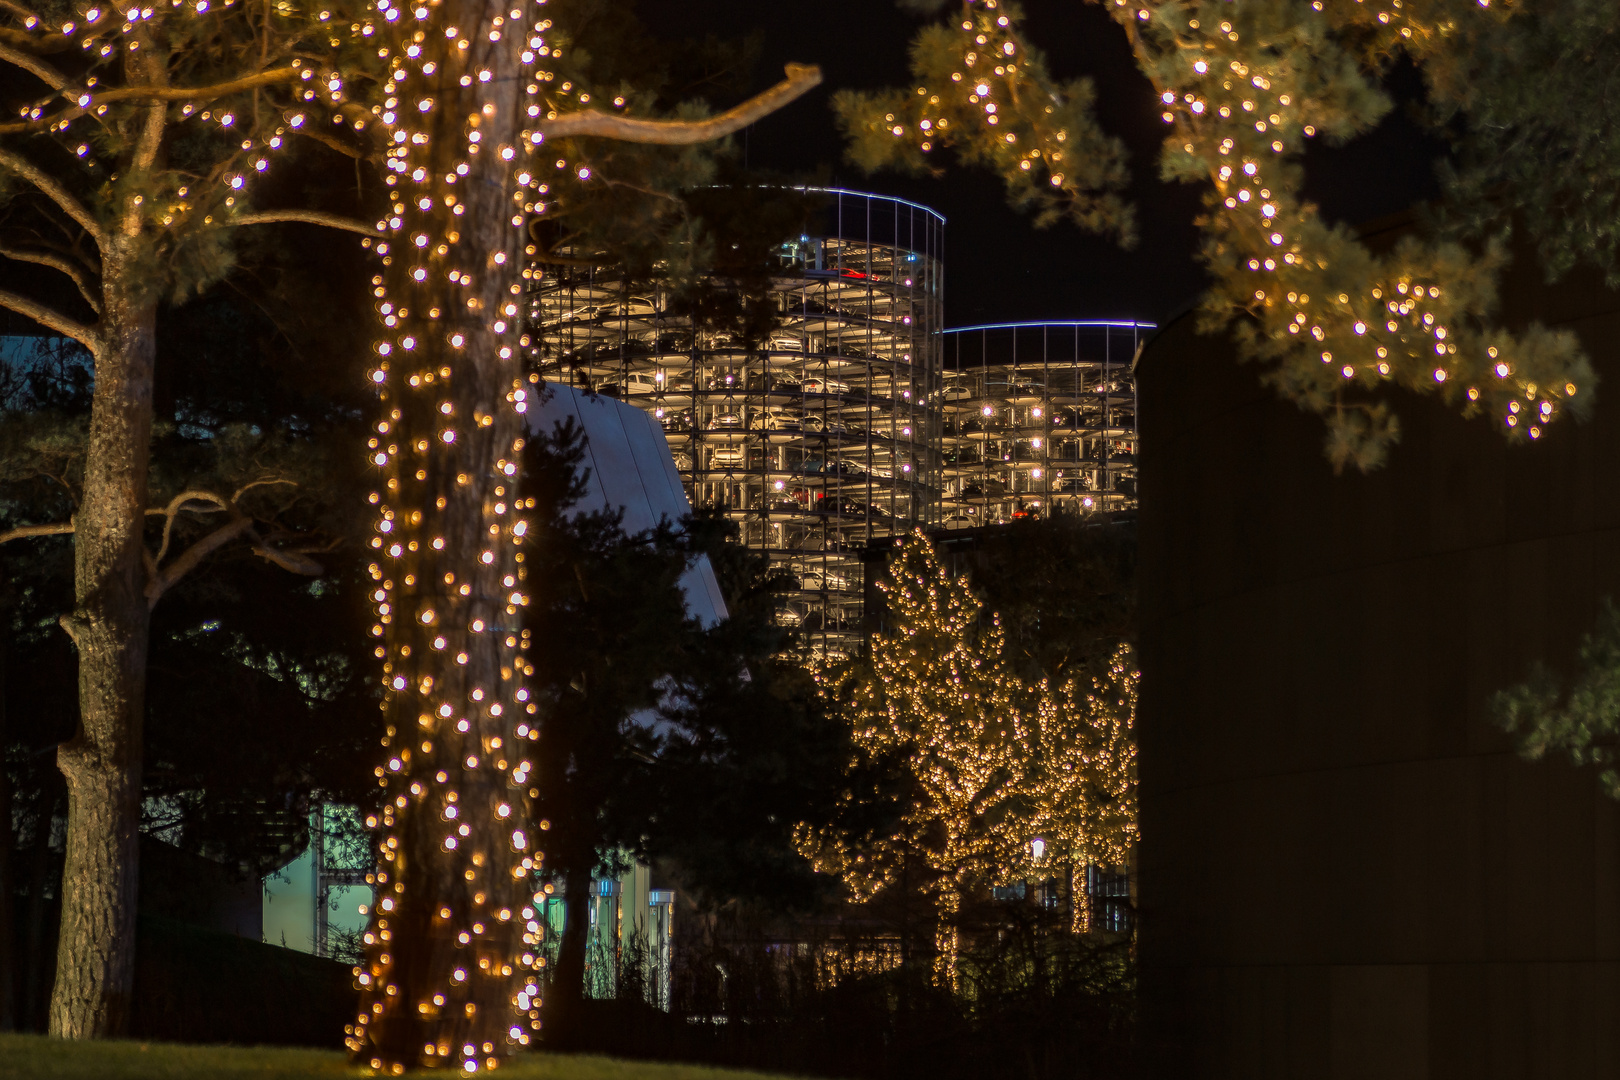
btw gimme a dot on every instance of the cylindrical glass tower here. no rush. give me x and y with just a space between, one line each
1038 418
818 438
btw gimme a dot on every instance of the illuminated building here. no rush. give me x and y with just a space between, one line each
816 440
1038 418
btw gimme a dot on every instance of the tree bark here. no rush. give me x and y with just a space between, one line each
566 992
8 884
448 969
95 960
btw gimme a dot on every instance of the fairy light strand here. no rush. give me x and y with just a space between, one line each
451 972
1241 88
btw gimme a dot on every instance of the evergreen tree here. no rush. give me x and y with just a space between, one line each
131 169
255 692
1242 88
608 632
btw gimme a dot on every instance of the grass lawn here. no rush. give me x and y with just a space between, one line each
27 1057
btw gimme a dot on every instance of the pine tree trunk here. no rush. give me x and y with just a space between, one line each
448 965
95 960
8 882
566 993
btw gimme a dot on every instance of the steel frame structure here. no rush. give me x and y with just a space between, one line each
1038 418
817 439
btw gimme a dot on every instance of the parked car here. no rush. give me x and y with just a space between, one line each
818 384
955 391
674 419
780 420
824 425
772 380
722 457
959 521
633 382
728 420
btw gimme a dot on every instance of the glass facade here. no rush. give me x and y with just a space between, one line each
1038 418
815 440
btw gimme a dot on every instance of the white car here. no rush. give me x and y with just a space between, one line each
780 420
955 391
722 457
817 384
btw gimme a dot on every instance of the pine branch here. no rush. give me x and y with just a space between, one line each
18 10
177 504
192 557
60 528
309 131
295 562
308 217
198 93
151 94
51 318
32 64
54 191
800 79
56 262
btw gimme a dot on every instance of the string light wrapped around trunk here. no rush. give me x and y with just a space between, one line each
449 977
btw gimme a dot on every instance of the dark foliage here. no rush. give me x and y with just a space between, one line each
1038 1003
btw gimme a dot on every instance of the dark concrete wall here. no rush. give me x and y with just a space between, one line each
1345 870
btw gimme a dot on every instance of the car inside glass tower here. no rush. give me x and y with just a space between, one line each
818 437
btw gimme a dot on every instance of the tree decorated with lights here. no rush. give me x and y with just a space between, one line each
1081 784
1242 87
939 700
999 778
472 109
132 164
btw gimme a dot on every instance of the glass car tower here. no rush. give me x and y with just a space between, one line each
1038 418
816 440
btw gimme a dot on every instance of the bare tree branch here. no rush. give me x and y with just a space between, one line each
50 317
269 481
176 504
310 131
294 561
800 79
188 561
308 217
18 10
151 94
39 43
59 528
197 93
56 262
45 72
54 191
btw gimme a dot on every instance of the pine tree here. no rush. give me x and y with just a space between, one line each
474 113
1241 89
134 162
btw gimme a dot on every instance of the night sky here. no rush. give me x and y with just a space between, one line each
999 268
